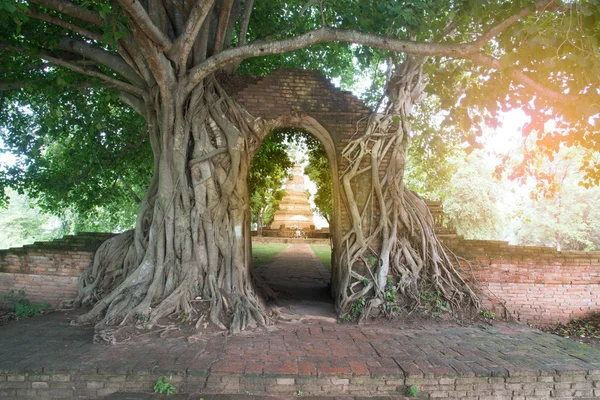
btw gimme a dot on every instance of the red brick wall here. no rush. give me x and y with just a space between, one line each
48 271
307 92
290 92
532 285
40 288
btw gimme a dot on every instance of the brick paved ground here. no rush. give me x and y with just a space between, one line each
46 358
301 282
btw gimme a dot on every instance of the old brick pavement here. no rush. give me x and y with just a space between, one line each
45 357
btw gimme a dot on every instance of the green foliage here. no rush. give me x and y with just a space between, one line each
164 386
356 311
488 315
21 306
555 209
434 305
319 172
434 145
25 309
80 153
23 223
270 167
411 391
9 301
390 305
470 200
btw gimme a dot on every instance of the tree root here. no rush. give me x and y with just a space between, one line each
391 248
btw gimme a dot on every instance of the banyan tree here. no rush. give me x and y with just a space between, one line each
171 62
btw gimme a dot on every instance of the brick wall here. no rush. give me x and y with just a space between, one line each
532 285
48 271
288 95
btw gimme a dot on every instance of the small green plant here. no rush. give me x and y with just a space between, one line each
140 316
299 393
9 301
21 306
164 386
183 318
411 391
356 311
25 309
489 315
390 297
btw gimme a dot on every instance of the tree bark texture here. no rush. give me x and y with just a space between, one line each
391 245
190 236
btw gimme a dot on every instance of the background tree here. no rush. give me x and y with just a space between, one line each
167 60
270 168
558 209
319 172
23 223
471 198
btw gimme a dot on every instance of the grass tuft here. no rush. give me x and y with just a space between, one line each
263 252
323 251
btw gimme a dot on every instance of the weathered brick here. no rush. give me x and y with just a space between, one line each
286 381
39 385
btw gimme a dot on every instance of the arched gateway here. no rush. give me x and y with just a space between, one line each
308 101
192 236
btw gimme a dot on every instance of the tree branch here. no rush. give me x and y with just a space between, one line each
456 51
222 25
326 34
71 9
248 5
130 189
112 61
522 78
183 44
506 23
96 74
134 102
141 18
36 14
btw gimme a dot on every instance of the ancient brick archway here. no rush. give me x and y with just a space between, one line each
307 100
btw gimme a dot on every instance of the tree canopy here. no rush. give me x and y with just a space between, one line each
62 70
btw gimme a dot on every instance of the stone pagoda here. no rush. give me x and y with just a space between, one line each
294 209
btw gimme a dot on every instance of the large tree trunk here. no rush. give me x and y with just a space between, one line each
190 237
391 247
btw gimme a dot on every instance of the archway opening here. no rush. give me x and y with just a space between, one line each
292 222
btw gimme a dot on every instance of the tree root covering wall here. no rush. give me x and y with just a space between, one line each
532 285
48 271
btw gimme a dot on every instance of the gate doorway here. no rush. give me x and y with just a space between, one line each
291 242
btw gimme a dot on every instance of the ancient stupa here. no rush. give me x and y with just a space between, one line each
294 209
